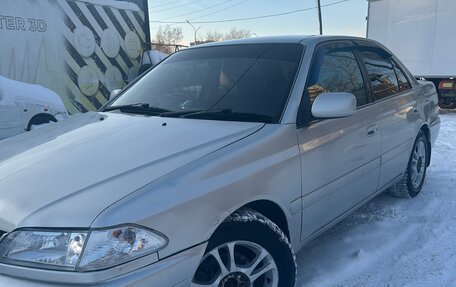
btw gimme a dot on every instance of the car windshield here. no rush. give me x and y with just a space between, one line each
235 83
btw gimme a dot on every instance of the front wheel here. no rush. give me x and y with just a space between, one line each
413 180
248 250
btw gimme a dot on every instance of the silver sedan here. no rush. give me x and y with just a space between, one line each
215 167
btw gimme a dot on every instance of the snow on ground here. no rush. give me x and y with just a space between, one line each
391 241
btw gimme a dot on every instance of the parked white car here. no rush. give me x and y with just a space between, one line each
24 106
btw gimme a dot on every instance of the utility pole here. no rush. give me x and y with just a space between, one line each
194 29
319 17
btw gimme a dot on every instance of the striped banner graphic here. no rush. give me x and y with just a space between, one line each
103 47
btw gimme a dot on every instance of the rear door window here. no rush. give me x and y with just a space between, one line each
381 74
404 84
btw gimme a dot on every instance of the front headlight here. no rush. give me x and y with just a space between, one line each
61 249
106 248
79 250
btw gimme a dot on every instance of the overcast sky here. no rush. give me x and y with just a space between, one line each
348 17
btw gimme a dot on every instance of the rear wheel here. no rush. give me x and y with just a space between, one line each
248 250
446 104
413 180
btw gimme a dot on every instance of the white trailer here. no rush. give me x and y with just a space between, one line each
421 34
80 49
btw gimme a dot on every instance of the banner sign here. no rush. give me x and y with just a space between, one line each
82 50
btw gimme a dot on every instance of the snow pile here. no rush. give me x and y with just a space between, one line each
13 91
391 241
121 5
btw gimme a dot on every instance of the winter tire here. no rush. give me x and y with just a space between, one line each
248 250
446 105
413 180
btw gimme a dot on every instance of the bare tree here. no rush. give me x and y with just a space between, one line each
235 33
168 36
214 36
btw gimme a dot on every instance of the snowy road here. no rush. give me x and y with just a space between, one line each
391 241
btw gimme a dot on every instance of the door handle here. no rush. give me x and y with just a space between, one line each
372 130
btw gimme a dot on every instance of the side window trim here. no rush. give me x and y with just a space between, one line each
367 83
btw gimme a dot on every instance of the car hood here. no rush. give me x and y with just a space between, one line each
65 174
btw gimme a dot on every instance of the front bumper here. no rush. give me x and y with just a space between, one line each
175 271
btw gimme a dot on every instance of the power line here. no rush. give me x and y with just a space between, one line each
220 10
177 6
166 4
251 18
208 14
198 11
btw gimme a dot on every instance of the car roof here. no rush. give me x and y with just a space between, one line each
303 39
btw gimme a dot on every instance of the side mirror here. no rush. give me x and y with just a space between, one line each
114 94
334 105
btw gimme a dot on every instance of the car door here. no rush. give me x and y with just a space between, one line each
397 107
340 158
10 117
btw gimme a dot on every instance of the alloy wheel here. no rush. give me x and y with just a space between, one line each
418 164
237 264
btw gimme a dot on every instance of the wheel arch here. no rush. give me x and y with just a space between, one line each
40 117
273 212
270 210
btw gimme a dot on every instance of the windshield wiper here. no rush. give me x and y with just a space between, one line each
179 114
139 108
221 114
